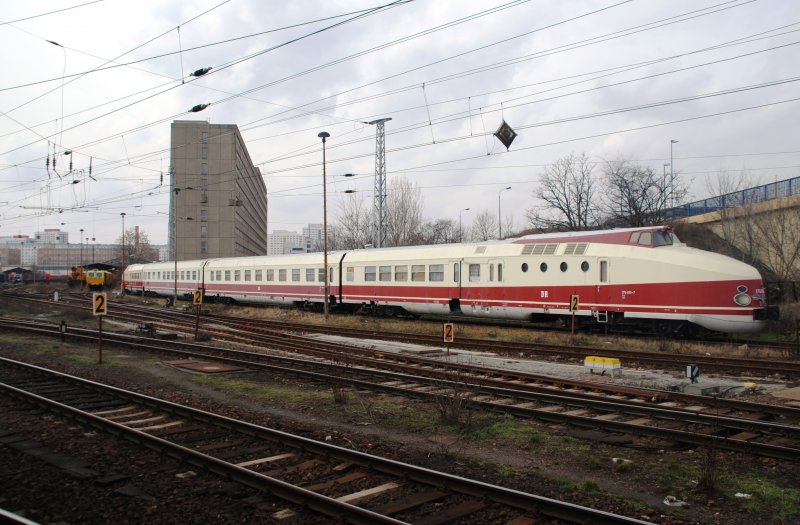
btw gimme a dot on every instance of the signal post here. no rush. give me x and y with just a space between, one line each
197 300
99 309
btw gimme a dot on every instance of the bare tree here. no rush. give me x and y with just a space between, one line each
404 214
567 187
353 224
439 231
137 245
484 227
638 195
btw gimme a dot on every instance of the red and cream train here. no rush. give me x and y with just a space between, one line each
639 276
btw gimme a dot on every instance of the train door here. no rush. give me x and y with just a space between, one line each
496 292
603 294
455 294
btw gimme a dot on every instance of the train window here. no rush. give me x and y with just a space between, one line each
227 275
351 274
247 275
385 273
418 272
543 267
634 238
662 238
237 275
321 275
585 266
370 273
456 272
474 272
499 272
310 275
330 274
491 272
436 272
401 273
646 239
603 271
259 275
295 275
210 276
282 274
181 275
270 275
219 275
524 267
563 267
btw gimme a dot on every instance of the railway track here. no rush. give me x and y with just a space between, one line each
665 360
616 414
343 484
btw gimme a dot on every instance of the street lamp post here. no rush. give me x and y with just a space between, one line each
500 215
460 234
175 242
672 175
122 260
324 135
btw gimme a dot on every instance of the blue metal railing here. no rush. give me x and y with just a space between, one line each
773 190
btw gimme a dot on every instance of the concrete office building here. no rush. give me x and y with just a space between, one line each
218 203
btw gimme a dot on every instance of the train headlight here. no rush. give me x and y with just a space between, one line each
742 298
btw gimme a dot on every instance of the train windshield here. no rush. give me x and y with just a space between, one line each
664 238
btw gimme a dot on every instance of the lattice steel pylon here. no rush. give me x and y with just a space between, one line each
380 207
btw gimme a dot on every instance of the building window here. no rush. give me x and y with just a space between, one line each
310 275
436 272
418 272
203 215
204 152
295 274
204 135
203 230
474 273
237 275
204 169
203 183
203 247
385 273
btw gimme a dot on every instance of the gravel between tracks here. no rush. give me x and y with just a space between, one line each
156 495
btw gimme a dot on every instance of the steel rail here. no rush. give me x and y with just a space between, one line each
345 376
329 506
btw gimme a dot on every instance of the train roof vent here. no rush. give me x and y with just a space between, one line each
540 249
480 249
576 248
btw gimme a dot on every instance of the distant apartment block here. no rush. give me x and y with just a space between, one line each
218 202
284 241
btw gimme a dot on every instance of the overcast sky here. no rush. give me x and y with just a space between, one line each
609 78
